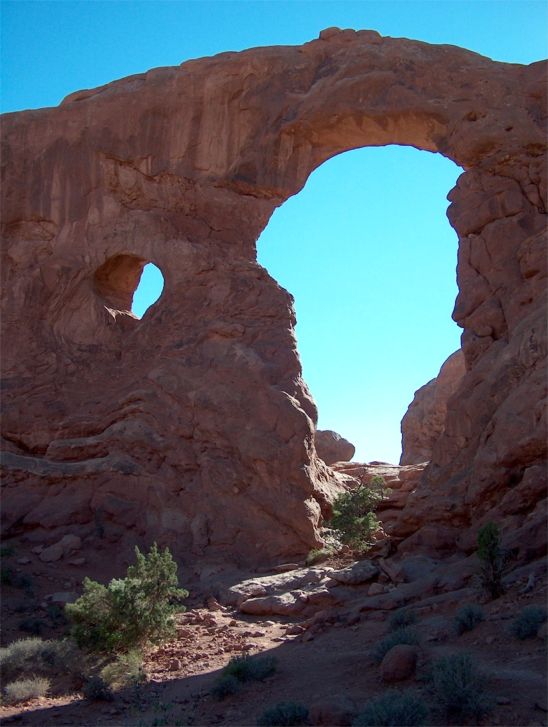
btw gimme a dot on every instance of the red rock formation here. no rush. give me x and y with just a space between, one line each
193 425
331 447
424 421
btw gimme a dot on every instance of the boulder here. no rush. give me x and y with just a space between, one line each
399 663
331 447
355 574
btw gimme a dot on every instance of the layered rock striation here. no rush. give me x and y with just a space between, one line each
193 425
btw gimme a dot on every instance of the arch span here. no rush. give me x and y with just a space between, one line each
185 166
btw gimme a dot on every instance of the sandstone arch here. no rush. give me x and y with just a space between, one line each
194 425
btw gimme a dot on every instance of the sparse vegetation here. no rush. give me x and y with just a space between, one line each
459 688
468 617
528 622
132 611
402 617
492 560
318 555
225 686
29 656
96 689
402 635
393 709
24 689
251 668
354 514
125 671
284 713
242 669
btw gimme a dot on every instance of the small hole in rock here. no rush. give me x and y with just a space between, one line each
149 289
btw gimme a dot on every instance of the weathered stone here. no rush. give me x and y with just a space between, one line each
399 663
424 421
355 574
285 604
52 553
63 597
331 447
184 166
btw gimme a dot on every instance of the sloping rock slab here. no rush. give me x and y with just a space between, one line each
356 573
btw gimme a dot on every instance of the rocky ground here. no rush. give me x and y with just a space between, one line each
321 623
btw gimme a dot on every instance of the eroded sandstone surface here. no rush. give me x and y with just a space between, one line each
194 426
424 420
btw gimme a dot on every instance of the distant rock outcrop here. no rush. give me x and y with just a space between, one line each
193 426
424 421
331 447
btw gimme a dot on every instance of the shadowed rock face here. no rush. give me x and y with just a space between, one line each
193 425
424 421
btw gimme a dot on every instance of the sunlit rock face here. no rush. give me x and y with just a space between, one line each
424 421
193 425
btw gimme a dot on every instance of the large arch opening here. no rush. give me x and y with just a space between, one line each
368 253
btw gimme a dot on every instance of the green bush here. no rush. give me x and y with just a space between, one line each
226 685
402 617
468 617
354 516
527 624
398 636
318 555
125 671
284 713
492 559
459 688
97 690
132 611
250 668
393 709
24 689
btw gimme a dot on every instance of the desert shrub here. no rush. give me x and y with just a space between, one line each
97 690
393 709
318 555
28 656
23 689
226 685
242 669
493 560
528 622
398 636
459 687
468 617
125 671
132 611
354 517
402 617
284 713
250 668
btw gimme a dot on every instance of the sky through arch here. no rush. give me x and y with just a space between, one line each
368 253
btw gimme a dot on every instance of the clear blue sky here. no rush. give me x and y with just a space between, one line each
365 248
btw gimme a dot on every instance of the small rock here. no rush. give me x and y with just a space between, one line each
294 629
399 663
175 665
38 549
542 704
490 639
70 542
51 554
309 636
503 700
233 622
63 597
23 561
375 589
77 561
213 604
